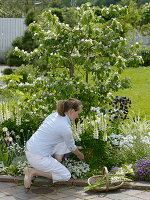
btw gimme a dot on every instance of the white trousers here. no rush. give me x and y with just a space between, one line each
49 164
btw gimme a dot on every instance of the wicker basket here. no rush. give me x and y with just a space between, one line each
106 187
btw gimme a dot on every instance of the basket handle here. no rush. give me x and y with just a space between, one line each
106 174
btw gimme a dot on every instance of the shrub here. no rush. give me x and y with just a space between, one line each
7 71
13 60
18 43
31 17
145 53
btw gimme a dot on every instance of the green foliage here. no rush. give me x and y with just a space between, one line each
13 60
7 71
4 155
131 20
11 79
145 13
64 47
26 43
31 17
73 20
137 140
58 13
145 53
27 72
106 2
95 46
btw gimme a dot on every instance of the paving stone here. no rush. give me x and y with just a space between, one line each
56 195
25 196
130 192
131 198
39 198
144 195
71 191
7 198
2 194
71 198
4 185
101 198
116 195
9 191
136 185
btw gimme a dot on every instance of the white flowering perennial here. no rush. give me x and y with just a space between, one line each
128 140
76 130
99 126
9 110
77 168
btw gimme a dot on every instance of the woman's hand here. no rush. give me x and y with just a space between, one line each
79 154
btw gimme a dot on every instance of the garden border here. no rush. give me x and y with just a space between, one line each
137 185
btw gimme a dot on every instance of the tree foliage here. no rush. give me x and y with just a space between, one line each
95 47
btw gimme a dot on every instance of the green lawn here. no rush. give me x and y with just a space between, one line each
140 91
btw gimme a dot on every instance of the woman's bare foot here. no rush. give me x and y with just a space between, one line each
28 172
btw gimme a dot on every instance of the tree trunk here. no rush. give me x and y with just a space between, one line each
87 77
71 70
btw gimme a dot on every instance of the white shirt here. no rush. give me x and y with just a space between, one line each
54 129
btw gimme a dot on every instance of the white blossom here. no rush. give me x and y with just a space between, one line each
5 129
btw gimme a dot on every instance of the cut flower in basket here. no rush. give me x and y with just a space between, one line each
106 181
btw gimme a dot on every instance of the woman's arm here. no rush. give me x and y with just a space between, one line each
79 154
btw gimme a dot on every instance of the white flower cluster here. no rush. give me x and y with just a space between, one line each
128 140
21 165
76 168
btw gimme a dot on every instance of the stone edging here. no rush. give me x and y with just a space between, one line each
141 185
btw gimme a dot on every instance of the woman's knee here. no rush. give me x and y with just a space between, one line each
66 176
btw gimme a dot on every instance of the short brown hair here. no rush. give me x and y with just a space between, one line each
65 105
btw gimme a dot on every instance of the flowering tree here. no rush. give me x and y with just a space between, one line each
95 47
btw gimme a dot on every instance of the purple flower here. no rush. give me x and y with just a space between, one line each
142 169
